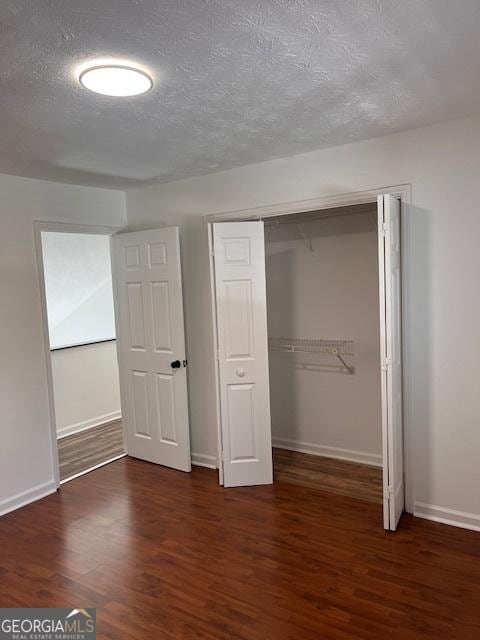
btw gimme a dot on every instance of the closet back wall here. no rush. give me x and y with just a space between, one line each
329 292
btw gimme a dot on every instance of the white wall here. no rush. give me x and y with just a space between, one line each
79 295
329 291
86 386
26 449
78 286
442 163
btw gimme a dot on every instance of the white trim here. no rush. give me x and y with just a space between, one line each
62 227
116 312
311 204
108 418
26 497
363 457
70 227
408 383
97 466
202 460
451 517
213 301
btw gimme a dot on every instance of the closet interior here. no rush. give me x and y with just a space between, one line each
324 350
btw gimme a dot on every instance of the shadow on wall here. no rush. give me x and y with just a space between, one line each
418 324
283 396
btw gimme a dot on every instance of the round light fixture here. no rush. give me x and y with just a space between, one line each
116 80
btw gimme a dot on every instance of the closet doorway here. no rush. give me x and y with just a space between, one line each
322 378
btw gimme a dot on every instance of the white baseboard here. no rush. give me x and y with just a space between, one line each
202 460
69 430
372 459
454 518
97 466
24 498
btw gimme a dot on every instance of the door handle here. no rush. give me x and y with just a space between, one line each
176 364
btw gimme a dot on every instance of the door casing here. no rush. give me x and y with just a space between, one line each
62 227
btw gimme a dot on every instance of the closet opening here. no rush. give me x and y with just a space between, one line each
307 322
322 293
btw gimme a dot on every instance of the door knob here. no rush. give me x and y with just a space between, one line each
176 364
240 372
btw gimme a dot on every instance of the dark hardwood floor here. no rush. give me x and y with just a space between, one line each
82 451
360 481
163 555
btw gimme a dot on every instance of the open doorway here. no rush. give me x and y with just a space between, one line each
323 322
113 328
82 350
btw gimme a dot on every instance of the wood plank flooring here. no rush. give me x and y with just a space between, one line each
165 555
341 477
86 449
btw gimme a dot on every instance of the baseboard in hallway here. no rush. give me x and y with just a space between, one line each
98 421
89 449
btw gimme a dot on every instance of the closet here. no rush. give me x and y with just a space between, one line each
308 354
322 293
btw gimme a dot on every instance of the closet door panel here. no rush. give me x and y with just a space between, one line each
391 350
239 257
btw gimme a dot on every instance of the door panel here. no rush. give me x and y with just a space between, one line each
161 316
391 350
241 423
151 337
238 319
240 293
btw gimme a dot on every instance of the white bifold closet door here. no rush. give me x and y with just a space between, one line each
391 358
151 346
240 291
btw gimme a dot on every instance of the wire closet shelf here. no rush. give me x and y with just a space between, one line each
337 348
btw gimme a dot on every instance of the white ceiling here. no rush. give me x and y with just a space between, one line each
237 81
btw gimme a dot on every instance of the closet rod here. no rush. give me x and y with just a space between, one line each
337 348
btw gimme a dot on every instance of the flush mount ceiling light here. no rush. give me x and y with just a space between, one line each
115 80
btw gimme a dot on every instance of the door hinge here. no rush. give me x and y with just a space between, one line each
383 228
389 491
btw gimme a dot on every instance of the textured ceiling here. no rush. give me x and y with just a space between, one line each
237 81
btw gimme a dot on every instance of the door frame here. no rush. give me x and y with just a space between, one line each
403 192
65 227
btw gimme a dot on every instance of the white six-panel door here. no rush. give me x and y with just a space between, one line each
391 358
151 345
240 291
